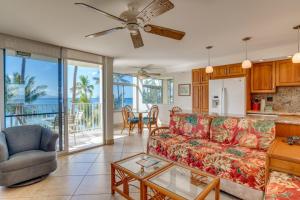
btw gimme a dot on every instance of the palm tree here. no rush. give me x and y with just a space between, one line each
32 92
84 89
74 89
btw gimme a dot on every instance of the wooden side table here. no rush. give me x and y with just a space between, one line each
283 157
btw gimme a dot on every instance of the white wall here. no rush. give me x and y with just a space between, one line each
185 102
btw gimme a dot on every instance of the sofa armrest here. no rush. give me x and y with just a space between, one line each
48 140
4 155
160 130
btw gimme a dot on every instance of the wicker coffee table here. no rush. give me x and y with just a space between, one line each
135 168
179 182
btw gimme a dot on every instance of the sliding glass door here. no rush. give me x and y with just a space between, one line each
32 91
84 100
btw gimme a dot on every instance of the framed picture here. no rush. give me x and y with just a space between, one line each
184 89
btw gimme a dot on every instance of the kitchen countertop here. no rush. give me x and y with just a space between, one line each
273 113
282 119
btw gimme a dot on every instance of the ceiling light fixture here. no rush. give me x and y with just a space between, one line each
296 57
209 69
246 63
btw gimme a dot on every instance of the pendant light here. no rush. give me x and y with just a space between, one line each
246 63
209 69
296 57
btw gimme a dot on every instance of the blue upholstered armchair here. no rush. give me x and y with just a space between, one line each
26 153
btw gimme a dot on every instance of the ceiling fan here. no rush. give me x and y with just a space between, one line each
133 20
144 72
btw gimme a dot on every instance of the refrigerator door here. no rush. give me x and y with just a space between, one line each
235 96
215 96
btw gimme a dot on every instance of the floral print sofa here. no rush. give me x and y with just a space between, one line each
282 186
231 148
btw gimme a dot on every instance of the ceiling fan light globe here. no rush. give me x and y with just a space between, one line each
209 69
147 28
246 64
296 58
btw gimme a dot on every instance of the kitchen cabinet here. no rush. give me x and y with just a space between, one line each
219 72
200 90
287 73
235 70
263 78
196 76
196 98
204 98
228 71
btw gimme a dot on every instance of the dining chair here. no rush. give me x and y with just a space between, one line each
129 120
152 118
176 109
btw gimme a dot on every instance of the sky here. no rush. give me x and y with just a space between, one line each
46 73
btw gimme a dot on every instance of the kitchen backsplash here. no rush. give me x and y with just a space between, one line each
286 99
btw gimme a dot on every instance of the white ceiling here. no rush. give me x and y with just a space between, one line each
221 23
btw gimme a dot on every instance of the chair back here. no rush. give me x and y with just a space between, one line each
23 138
153 113
176 109
125 114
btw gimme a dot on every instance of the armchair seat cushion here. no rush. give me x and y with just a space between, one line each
26 159
159 144
282 186
239 164
134 120
147 120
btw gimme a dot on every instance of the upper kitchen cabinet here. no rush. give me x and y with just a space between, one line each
219 72
196 76
235 70
287 73
199 76
228 71
263 78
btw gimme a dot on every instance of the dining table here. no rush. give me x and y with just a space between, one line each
140 117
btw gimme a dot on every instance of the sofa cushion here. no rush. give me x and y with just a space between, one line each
26 159
239 164
224 129
23 138
256 134
282 186
191 125
159 144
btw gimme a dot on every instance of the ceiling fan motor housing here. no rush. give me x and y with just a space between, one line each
133 28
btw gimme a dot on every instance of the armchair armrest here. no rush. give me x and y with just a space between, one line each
48 141
160 130
4 155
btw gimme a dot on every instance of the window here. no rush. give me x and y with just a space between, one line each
170 86
124 90
152 91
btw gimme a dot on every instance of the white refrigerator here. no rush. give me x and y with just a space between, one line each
227 96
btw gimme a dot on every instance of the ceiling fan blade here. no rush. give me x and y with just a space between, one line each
155 8
165 32
104 32
137 39
101 11
154 74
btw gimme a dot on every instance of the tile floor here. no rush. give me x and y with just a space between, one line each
84 175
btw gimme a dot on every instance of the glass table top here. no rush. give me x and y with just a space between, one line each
182 181
143 165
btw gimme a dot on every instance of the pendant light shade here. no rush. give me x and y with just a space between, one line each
246 63
209 69
296 57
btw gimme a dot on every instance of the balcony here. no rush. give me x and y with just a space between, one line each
84 121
